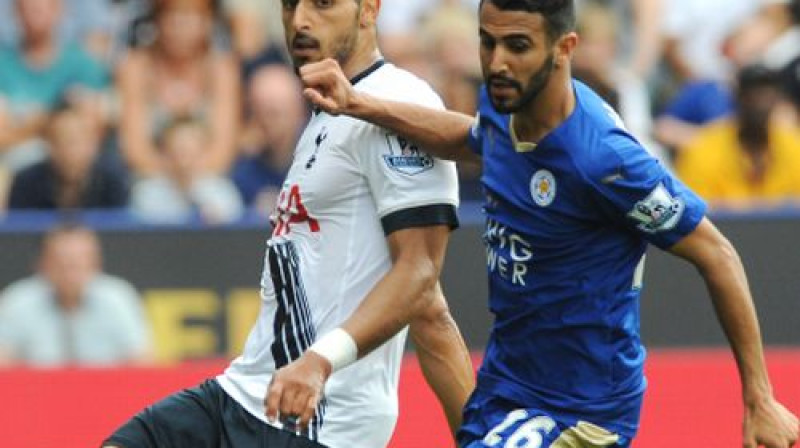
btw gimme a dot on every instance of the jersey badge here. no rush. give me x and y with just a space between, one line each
323 135
658 212
405 157
543 188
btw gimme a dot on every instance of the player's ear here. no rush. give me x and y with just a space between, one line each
369 13
565 48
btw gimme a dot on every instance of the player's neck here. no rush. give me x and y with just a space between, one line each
361 60
550 108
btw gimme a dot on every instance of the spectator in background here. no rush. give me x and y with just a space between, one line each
398 30
791 72
277 116
596 63
185 190
781 51
5 187
452 47
639 36
748 160
695 33
88 22
36 75
73 176
256 32
70 312
179 75
695 36
772 38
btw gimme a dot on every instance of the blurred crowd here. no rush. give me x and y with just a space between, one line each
187 109
178 110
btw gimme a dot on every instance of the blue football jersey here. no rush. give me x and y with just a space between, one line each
568 222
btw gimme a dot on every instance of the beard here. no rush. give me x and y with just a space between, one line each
528 93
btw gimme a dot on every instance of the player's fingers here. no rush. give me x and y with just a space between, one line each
316 98
309 409
326 66
298 405
325 80
273 400
313 67
287 402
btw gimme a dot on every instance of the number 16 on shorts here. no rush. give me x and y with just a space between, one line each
522 429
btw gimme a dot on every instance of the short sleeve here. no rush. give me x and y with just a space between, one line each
644 195
482 120
475 137
410 187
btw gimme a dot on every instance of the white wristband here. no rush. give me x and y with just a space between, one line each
338 347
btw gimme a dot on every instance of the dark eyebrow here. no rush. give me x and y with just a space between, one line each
486 34
517 36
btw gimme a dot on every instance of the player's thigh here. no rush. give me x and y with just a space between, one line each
189 418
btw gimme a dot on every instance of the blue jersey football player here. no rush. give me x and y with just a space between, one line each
572 201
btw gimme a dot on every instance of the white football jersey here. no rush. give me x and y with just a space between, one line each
350 184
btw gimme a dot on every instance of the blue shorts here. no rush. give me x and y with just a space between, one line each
499 423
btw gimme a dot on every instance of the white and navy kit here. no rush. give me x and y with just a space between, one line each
350 185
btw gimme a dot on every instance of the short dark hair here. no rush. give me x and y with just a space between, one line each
558 14
756 76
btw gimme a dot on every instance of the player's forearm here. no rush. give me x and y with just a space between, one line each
389 307
727 284
444 358
442 133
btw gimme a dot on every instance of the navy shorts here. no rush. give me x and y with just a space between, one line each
202 417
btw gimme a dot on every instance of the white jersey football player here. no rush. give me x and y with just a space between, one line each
359 235
328 251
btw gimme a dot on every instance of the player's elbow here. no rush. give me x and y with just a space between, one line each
724 258
422 273
426 276
433 319
727 254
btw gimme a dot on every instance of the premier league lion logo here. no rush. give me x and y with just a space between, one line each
405 157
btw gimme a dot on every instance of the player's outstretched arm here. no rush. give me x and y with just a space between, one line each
444 357
402 294
766 422
442 133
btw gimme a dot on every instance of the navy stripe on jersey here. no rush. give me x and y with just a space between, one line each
293 325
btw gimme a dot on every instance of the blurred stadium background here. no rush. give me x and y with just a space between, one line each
170 94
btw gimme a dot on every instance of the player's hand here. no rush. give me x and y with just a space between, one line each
297 388
327 87
771 425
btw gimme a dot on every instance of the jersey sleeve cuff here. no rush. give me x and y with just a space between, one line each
424 216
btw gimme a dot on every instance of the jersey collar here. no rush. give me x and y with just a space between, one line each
518 145
368 71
